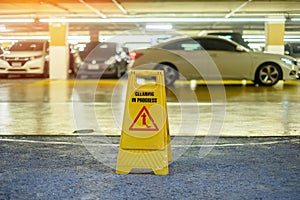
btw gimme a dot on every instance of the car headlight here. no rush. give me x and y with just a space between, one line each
36 57
289 61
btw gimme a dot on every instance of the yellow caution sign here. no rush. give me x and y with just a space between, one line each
145 140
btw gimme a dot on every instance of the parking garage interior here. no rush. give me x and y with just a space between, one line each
60 126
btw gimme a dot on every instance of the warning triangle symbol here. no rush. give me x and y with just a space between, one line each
145 121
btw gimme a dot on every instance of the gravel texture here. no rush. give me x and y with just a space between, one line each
236 168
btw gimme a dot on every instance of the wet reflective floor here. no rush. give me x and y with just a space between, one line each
74 107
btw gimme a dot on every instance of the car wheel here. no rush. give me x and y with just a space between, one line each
268 75
170 73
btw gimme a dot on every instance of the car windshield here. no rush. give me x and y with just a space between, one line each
101 52
27 46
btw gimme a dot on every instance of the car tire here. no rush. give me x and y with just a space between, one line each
170 73
119 71
46 70
268 74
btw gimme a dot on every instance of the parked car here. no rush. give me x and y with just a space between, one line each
189 56
26 58
105 59
74 62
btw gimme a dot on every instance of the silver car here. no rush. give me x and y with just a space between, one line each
213 57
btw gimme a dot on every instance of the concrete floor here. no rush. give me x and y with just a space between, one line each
51 143
44 107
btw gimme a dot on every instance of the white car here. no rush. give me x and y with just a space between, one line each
213 57
26 58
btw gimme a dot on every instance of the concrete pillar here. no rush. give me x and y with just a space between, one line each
94 35
274 31
58 51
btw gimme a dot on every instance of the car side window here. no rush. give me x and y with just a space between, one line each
216 45
186 45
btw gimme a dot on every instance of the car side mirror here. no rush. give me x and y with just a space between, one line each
286 52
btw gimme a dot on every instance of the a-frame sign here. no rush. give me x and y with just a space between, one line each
145 140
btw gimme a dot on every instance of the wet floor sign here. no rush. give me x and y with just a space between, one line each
145 139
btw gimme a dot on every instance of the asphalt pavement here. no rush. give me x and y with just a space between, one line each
60 167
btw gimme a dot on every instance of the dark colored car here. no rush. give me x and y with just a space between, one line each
105 59
292 49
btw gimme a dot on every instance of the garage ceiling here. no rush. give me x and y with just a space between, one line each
140 9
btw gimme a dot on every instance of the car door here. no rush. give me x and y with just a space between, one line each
231 63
